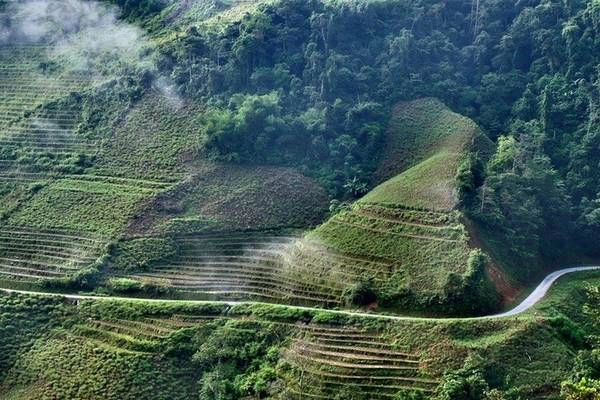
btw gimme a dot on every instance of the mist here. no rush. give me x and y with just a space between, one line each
72 26
84 37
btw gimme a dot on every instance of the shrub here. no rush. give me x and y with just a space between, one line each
472 292
361 293
569 331
467 383
124 285
410 395
585 389
86 278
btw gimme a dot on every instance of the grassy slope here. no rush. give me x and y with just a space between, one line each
408 220
532 353
155 140
138 160
424 145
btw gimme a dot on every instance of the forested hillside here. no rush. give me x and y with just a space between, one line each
205 117
417 158
311 84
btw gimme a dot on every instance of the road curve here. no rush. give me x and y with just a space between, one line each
541 290
535 296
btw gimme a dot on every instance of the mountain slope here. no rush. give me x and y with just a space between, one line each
93 160
171 351
410 222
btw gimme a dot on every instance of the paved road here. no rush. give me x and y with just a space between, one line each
541 290
535 296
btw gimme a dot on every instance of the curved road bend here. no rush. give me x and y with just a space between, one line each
535 296
541 290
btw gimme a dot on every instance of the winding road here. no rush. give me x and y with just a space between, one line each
541 290
535 296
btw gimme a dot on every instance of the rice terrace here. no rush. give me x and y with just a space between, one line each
299 199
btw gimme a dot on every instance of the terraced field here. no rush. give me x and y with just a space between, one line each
151 154
264 266
240 266
385 240
102 205
31 125
417 244
319 360
144 335
326 361
31 255
410 221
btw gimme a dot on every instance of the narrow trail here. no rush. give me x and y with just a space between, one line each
535 296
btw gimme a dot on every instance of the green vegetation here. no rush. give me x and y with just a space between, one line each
141 253
190 149
277 352
408 224
154 141
584 381
68 204
233 198
425 144
526 71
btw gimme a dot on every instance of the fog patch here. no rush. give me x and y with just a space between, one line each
169 92
84 37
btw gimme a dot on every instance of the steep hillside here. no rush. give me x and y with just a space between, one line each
403 244
86 161
410 224
154 152
424 145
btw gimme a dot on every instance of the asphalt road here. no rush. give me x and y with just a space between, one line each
535 296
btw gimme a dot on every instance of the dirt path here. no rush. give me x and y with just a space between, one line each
539 293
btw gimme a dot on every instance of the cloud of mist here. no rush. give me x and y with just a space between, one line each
82 36
72 25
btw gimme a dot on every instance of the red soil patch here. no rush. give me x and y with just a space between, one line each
498 277
495 273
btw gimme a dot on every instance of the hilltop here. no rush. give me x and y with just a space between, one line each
411 223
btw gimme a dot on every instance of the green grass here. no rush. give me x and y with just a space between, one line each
409 220
83 369
429 184
567 294
425 143
64 351
420 129
13 195
420 261
154 141
96 207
